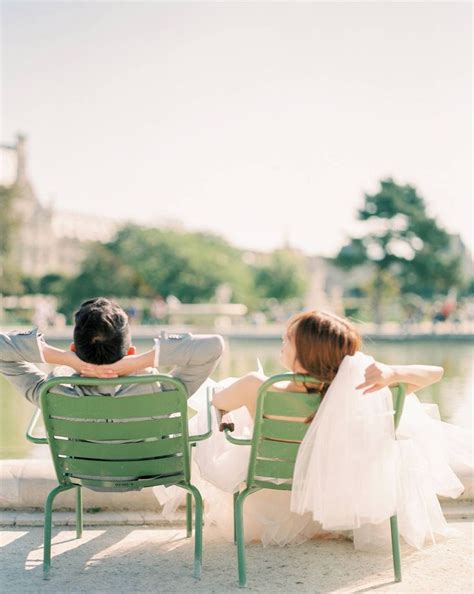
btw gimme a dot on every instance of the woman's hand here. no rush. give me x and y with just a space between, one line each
378 376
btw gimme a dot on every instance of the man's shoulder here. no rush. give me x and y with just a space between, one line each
137 389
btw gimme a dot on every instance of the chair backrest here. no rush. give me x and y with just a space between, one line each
118 442
275 442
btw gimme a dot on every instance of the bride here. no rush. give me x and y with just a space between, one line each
351 474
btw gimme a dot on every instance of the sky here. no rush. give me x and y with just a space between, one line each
264 121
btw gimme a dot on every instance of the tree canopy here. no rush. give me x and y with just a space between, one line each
401 238
150 262
283 277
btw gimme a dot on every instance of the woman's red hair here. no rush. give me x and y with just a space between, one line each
322 340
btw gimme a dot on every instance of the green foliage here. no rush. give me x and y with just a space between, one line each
188 265
52 284
30 285
404 241
10 282
146 262
8 221
283 277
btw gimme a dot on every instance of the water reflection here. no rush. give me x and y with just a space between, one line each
453 394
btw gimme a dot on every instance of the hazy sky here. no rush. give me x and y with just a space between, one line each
256 120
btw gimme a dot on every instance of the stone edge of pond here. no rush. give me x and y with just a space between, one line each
453 511
24 485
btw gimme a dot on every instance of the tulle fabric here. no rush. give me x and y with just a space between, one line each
351 474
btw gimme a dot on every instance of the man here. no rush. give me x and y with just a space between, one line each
102 348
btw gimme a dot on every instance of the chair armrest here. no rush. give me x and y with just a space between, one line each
31 426
230 425
201 436
236 440
227 428
400 401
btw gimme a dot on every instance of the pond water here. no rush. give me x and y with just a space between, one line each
453 395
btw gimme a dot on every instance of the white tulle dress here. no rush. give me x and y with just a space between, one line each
350 476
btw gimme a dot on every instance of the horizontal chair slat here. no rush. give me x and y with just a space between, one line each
115 407
289 430
278 449
136 468
274 486
290 404
129 484
119 431
274 468
120 451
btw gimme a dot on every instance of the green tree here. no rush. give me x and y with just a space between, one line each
52 284
145 262
283 277
10 281
403 243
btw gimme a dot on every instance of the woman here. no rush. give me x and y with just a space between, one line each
338 486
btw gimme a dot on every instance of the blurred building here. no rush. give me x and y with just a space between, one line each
46 240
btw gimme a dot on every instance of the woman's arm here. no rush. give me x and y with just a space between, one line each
243 392
378 375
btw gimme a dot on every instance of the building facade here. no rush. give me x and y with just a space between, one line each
45 240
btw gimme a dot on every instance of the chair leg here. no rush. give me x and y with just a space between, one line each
79 518
197 529
236 494
396 549
189 515
48 513
239 529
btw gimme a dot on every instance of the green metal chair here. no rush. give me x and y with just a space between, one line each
274 447
119 443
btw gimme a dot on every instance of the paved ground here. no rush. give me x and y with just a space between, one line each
142 559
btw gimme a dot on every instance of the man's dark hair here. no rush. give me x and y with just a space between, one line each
101 332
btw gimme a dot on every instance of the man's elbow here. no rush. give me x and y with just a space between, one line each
217 346
439 373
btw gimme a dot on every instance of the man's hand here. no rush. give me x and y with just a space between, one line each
55 356
125 366
378 376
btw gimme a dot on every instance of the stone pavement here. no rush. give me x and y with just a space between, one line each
157 558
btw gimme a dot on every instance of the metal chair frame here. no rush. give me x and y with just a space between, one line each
101 441
274 447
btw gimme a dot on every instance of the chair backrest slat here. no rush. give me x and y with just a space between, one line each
283 430
98 431
290 404
119 468
104 407
120 451
278 450
279 469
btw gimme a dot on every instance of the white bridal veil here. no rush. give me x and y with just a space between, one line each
351 473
